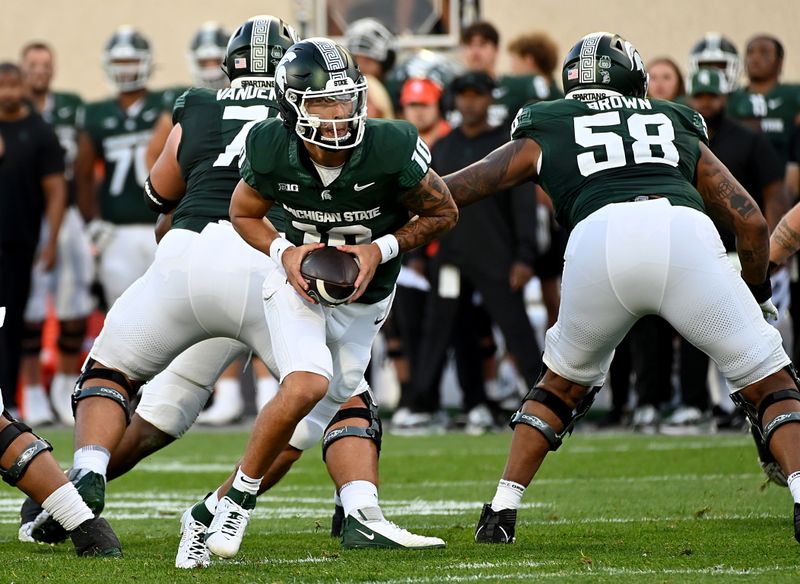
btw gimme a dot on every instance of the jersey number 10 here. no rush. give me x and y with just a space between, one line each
642 147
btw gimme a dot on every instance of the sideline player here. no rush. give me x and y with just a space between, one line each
116 131
620 169
326 164
68 282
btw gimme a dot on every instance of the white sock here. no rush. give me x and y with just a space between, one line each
358 494
93 457
508 495
794 485
267 388
66 506
246 484
228 388
337 500
211 502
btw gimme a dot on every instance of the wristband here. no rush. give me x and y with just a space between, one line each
389 247
761 292
276 249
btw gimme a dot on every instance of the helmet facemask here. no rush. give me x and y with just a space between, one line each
206 65
331 118
127 68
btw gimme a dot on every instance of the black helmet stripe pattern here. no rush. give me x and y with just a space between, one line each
259 45
333 59
586 65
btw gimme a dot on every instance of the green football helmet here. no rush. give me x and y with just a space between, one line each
128 60
605 61
255 49
317 70
207 47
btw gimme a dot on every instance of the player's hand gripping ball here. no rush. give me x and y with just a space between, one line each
331 275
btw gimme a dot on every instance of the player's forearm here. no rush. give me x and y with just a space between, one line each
256 231
502 169
776 203
436 213
55 193
785 240
752 246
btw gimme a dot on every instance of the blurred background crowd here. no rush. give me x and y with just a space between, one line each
463 342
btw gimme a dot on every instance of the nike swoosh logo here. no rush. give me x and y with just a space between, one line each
358 187
370 536
380 320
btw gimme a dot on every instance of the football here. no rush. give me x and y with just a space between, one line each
331 275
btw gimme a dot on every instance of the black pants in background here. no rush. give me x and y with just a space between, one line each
694 376
651 353
447 323
15 285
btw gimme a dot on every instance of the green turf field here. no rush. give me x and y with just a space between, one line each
606 507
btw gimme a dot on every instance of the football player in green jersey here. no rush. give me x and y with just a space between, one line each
766 104
621 171
205 56
115 132
345 181
68 282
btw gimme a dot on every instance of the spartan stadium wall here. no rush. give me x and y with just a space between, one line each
77 29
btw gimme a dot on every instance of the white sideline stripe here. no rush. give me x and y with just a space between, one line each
306 513
577 449
594 571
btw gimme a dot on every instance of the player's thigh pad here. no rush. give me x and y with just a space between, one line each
127 256
297 330
351 330
174 398
609 281
709 304
153 321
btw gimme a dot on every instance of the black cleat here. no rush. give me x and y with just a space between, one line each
337 521
496 526
92 489
95 538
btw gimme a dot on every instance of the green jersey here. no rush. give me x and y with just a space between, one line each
169 97
214 126
62 111
360 205
773 114
120 139
611 150
515 91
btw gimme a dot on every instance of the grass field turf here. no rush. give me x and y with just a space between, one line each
605 508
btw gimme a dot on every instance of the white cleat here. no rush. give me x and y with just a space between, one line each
192 550
225 534
368 528
24 534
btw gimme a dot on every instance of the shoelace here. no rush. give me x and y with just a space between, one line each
232 523
196 545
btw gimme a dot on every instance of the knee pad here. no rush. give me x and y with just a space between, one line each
306 434
71 335
89 372
369 413
172 403
756 416
13 474
32 339
555 404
